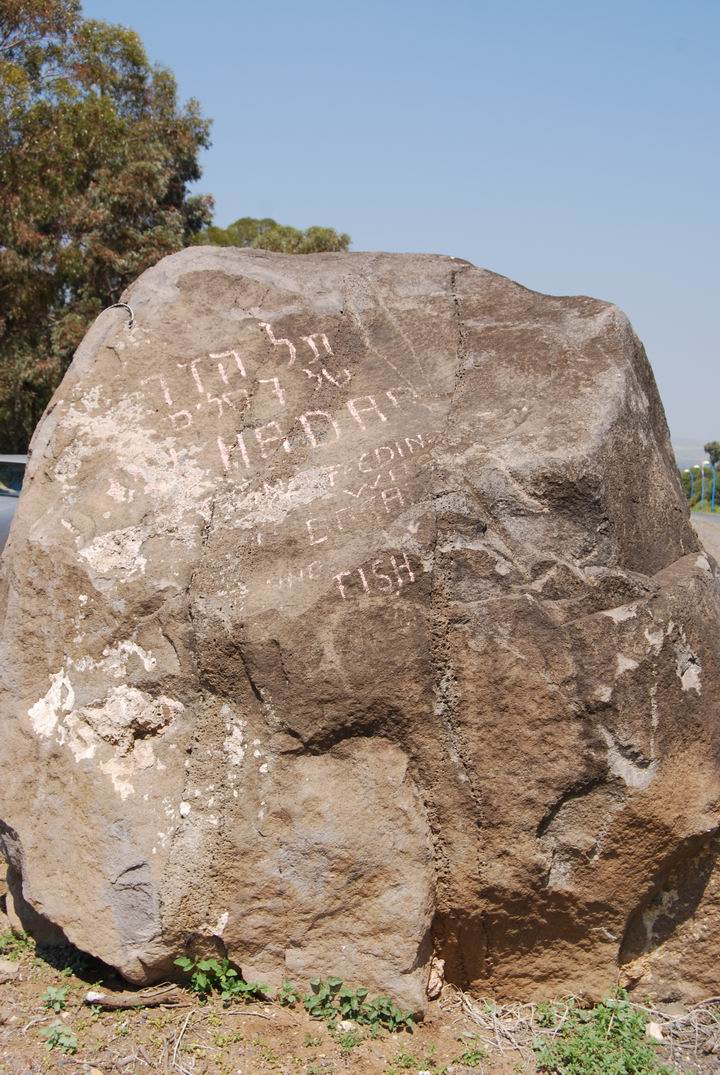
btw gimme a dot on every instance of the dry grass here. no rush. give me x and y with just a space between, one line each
514 1027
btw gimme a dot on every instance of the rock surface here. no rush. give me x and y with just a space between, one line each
352 621
8 971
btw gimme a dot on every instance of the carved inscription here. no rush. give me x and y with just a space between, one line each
264 415
318 429
378 483
384 576
217 379
338 378
379 577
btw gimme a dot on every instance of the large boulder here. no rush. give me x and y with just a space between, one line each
352 616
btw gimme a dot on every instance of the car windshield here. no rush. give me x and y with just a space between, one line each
11 478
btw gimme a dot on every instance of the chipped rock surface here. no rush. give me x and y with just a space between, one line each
352 624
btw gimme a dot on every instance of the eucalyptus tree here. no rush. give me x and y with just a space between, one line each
96 159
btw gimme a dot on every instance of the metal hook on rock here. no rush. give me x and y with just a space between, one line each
124 306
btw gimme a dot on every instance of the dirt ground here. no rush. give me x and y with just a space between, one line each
210 1039
241 1039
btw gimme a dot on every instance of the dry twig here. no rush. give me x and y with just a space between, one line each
188 1017
167 996
256 1015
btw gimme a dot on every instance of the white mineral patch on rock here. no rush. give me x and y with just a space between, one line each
619 615
235 746
274 502
119 492
46 712
117 720
117 553
79 736
119 771
688 666
624 664
690 677
655 640
178 485
114 660
630 772
147 659
126 713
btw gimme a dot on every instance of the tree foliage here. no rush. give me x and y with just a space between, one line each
267 234
712 451
95 160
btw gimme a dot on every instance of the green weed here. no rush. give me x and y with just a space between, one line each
267 1053
471 1057
14 947
608 1039
222 1039
406 1061
55 998
331 1001
59 1036
219 976
288 995
348 1040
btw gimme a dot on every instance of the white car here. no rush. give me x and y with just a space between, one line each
12 472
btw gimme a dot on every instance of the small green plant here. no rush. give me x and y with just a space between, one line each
608 1039
351 1003
14 946
410 1062
471 1057
384 1012
406 1061
55 998
330 1001
162 1019
320 1003
219 976
59 1036
221 1039
547 1014
348 1040
268 1055
288 995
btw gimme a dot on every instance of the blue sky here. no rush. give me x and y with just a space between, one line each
571 146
